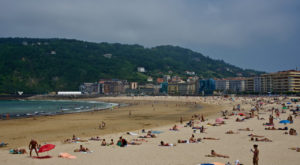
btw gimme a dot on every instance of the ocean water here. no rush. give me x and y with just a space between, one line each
19 108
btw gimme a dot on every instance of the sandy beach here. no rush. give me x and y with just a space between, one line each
156 114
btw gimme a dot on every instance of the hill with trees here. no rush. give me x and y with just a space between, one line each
45 65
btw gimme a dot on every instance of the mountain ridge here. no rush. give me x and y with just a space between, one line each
36 65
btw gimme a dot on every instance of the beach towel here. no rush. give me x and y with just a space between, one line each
132 133
157 132
89 152
42 157
66 155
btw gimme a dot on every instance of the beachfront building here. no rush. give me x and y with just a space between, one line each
91 88
266 83
222 84
249 84
237 85
163 88
187 88
207 87
112 86
257 84
172 88
285 81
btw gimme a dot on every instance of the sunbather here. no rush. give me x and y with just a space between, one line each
3 144
210 138
111 142
231 132
95 138
174 128
245 129
295 148
134 143
103 142
17 151
214 154
162 143
261 140
81 149
192 139
253 135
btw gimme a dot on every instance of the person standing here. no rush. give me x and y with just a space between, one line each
255 154
33 145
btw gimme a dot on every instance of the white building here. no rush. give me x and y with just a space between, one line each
237 85
141 69
68 93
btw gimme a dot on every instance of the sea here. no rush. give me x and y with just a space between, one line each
29 108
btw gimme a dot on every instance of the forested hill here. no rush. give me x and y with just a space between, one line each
45 65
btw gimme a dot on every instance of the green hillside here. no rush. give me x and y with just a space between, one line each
45 65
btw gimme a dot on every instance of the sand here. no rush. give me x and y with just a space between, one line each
237 146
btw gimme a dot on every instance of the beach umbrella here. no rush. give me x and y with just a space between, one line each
218 163
241 114
46 147
219 120
284 121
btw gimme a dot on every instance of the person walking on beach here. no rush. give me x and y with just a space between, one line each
33 145
255 154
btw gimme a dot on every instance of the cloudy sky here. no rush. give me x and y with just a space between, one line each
255 34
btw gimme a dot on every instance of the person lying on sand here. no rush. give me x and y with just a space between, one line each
295 148
149 133
2 144
81 149
214 154
210 138
261 140
239 120
134 143
182 141
271 128
95 138
231 132
162 143
17 151
76 139
214 124
140 140
245 129
69 141
253 135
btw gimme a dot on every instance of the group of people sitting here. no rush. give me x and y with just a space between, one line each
103 143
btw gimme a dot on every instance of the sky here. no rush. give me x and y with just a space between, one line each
252 34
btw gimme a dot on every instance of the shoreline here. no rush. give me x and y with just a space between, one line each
36 114
85 124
